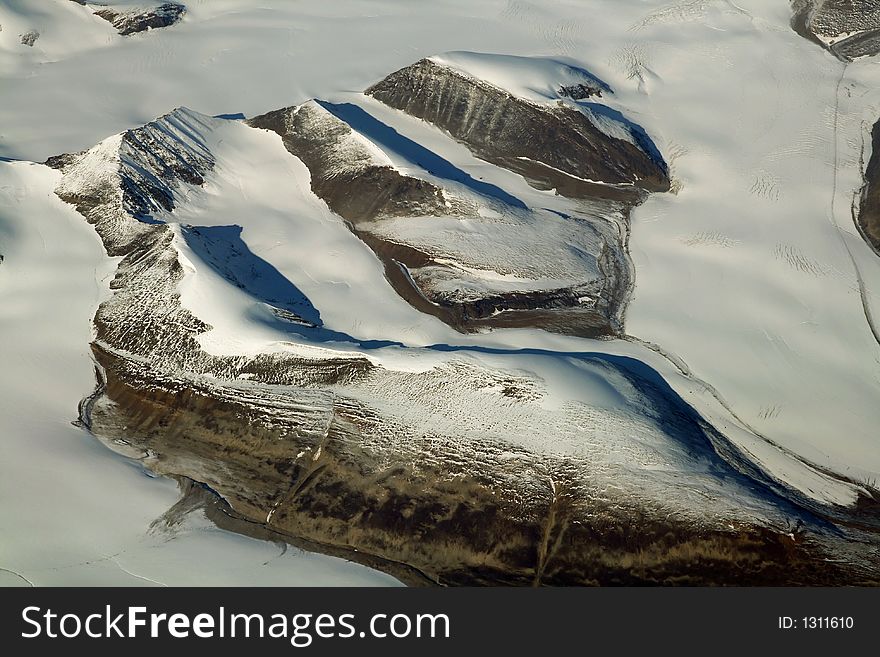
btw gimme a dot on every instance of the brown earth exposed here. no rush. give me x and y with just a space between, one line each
557 310
424 516
357 192
361 194
292 456
138 19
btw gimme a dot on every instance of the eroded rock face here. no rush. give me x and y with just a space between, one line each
580 91
309 467
118 186
132 22
848 28
552 146
344 172
29 38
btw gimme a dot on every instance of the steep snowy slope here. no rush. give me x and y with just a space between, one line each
468 252
125 185
32 32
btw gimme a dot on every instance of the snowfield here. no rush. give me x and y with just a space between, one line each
755 297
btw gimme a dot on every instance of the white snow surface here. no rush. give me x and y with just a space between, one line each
71 511
259 186
752 277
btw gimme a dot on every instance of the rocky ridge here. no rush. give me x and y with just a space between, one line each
849 29
132 20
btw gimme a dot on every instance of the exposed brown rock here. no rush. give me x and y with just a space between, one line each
141 20
419 515
868 218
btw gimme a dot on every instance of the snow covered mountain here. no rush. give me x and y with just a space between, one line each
579 149
485 316
464 250
310 421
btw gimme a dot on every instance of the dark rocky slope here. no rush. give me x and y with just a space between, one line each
136 20
847 28
431 513
346 177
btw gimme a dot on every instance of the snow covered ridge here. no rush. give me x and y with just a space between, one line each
476 254
295 428
102 521
126 186
538 79
744 279
498 108
349 171
131 18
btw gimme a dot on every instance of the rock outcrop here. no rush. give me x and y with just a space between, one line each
868 218
29 38
557 147
129 21
413 470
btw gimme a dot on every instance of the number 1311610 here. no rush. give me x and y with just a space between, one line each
816 623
